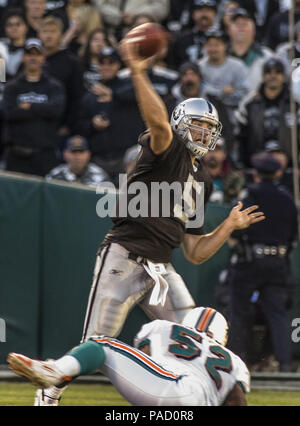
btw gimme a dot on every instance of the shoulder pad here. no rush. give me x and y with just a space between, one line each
144 137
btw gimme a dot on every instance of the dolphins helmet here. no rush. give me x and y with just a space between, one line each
209 321
182 125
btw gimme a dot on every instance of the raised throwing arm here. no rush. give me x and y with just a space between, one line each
153 109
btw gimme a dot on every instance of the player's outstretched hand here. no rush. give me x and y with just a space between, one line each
242 219
129 53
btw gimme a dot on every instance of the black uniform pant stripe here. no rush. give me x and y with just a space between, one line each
93 296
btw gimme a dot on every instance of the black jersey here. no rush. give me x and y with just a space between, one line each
157 230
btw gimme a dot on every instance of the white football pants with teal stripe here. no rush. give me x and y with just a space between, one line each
142 381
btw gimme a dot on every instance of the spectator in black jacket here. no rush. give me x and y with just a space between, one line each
65 67
265 115
33 104
189 45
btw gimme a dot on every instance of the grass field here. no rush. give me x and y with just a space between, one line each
21 394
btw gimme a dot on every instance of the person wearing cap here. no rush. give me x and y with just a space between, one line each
78 167
224 77
264 115
109 115
284 175
65 67
260 263
263 12
243 45
189 46
226 9
33 105
189 84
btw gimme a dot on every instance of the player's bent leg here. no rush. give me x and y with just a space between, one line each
41 373
119 284
135 375
178 301
142 381
84 359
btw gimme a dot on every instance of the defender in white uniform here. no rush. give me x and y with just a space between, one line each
188 365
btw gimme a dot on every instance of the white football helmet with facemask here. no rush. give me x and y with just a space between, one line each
182 125
209 321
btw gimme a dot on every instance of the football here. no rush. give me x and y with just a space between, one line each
151 38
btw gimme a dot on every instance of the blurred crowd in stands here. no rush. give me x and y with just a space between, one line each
68 108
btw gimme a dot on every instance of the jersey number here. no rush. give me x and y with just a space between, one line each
222 363
185 348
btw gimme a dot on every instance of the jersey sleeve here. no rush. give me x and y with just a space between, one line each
242 375
143 336
144 141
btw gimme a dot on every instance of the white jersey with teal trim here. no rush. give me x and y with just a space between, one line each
187 352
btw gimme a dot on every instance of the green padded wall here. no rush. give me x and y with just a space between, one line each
20 266
50 234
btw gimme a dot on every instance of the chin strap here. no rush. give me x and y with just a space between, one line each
193 147
196 149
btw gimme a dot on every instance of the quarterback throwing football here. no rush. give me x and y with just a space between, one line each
133 264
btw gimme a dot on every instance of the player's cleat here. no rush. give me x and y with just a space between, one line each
42 399
41 373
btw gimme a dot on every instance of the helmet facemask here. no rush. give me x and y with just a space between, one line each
198 139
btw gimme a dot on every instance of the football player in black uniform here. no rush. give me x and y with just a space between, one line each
133 264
